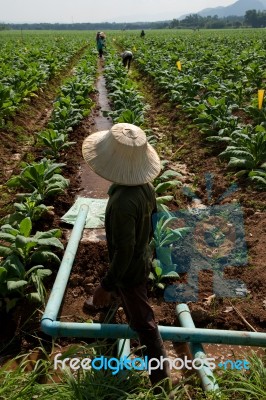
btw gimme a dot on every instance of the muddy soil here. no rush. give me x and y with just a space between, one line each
195 159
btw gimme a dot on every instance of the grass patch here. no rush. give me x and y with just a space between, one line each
38 380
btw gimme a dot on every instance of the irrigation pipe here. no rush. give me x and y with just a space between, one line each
205 373
52 327
123 349
59 287
123 352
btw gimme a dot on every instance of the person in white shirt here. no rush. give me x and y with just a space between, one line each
127 57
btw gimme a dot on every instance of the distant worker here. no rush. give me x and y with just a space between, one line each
100 42
142 34
127 57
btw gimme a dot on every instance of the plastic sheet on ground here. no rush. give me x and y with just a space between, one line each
95 217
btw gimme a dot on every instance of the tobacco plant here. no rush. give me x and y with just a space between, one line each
215 115
17 283
157 276
30 249
30 206
42 178
163 184
258 176
256 114
164 239
55 141
247 149
23 255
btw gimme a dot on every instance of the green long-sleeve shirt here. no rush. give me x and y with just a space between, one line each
128 228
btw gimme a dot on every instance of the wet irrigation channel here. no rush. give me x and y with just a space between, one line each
92 185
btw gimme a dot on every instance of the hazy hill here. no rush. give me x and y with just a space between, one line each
238 8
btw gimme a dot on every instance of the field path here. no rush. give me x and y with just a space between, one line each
93 185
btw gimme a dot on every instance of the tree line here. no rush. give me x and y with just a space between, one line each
104 26
252 18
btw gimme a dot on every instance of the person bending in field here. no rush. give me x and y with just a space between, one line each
127 57
123 156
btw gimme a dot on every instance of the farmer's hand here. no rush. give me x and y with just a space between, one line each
101 297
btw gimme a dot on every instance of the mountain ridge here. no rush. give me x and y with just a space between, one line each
238 8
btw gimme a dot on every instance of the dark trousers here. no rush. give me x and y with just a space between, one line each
140 318
127 61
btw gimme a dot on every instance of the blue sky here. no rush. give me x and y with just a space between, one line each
70 11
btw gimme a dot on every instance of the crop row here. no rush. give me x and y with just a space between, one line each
26 64
24 253
126 101
128 106
217 85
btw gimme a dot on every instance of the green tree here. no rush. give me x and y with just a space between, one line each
251 18
4 27
193 21
261 19
174 23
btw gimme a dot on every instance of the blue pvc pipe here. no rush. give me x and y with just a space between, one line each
59 287
123 348
205 373
123 352
176 334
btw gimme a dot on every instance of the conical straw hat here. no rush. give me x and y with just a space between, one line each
122 155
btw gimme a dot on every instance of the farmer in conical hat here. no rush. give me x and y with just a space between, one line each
100 43
123 156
